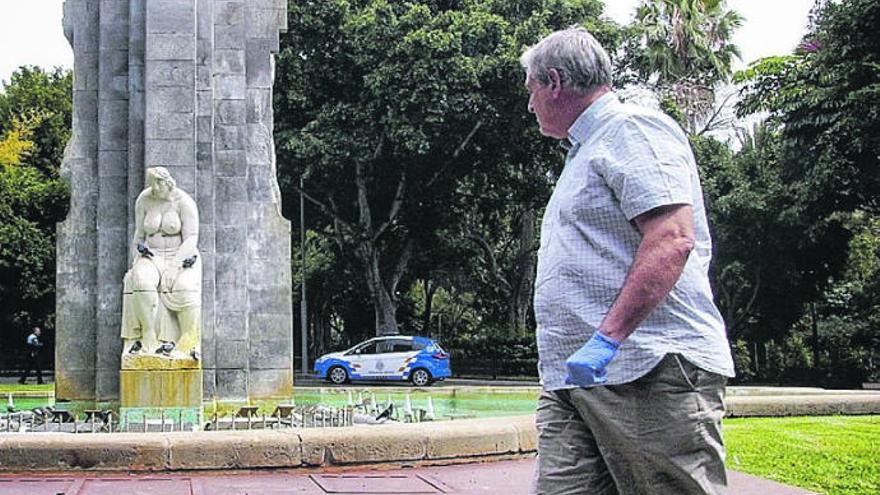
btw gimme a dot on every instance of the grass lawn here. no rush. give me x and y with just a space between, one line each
17 388
833 455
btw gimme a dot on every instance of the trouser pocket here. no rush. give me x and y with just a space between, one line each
689 373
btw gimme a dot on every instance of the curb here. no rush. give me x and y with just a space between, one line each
802 405
414 442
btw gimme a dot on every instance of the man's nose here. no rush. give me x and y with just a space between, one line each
530 107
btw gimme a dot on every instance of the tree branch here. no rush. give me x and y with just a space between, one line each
395 207
330 211
455 154
493 263
400 267
711 122
337 228
365 215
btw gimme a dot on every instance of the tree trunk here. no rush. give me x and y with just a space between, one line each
815 327
429 290
384 303
321 334
521 296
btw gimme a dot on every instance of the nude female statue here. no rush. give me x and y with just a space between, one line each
162 294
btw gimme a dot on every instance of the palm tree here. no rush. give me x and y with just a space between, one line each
685 49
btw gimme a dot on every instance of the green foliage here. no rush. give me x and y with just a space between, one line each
742 361
835 455
764 266
826 97
682 48
32 198
494 352
32 91
686 40
406 119
823 100
864 250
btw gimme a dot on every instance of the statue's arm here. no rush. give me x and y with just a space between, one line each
139 234
189 228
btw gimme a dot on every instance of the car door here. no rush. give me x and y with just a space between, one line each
380 365
363 359
399 353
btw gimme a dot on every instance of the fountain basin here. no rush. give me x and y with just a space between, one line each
319 447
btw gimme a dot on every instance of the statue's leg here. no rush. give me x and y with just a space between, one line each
131 328
184 298
167 324
190 330
145 299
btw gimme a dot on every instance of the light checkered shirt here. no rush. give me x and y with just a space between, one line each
623 161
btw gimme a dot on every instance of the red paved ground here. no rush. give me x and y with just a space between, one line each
502 477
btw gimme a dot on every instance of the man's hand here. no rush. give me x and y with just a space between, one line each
190 261
586 367
144 250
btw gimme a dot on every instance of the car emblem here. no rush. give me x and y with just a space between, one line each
380 365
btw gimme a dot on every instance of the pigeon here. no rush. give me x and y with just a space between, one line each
386 413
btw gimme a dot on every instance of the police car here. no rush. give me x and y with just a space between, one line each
417 359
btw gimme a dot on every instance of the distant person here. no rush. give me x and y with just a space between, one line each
34 351
633 352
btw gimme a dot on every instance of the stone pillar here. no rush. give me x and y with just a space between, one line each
184 84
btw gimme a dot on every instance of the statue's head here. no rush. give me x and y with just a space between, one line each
161 183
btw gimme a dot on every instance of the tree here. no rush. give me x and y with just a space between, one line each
388 108
684 49
33 91
766 265
822 101
30 204
825 97
35 114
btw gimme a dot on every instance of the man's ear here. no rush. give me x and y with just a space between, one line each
555 81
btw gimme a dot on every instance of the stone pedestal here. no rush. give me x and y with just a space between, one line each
157 382
158 392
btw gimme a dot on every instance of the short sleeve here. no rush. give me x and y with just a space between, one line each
648 163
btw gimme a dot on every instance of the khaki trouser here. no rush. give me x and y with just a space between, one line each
660 434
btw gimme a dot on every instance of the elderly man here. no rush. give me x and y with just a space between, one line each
633 352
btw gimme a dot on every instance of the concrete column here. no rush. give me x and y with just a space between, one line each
113 204
77 248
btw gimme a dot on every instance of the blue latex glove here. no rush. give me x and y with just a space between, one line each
586 367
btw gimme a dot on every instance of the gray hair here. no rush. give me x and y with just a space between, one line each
581 61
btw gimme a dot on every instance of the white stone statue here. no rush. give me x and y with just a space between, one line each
162 292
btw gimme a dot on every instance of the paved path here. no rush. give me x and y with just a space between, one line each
510 477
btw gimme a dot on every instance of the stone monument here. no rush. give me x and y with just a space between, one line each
182 89
161 301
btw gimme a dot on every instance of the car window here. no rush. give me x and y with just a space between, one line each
400 345
419 344
395 345
370 348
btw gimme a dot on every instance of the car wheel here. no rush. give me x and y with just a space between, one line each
337 375
420 377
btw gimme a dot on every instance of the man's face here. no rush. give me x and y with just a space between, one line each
37 331
543 101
